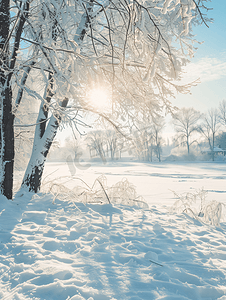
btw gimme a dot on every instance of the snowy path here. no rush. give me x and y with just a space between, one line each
76 251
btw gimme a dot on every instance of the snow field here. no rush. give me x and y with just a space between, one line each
70 250
154 181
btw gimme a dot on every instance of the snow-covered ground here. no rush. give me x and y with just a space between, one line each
62 249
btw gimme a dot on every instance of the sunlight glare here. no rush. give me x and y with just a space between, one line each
99 98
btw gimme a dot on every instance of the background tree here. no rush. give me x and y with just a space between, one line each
222 112
142 143
185 122
209 128
221 140
97 143
69 48
114 141
158 140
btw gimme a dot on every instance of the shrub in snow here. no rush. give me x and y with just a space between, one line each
123 192
196 205
213 212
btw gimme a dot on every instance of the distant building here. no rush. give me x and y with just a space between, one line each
216 150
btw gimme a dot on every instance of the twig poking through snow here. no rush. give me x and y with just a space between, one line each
104 191
155 263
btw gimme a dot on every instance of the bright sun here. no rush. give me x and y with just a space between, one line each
99 98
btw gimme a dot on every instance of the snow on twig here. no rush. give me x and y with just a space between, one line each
210 212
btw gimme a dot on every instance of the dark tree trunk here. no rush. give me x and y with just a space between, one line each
188 146
7 64
213 138
7 117
7 145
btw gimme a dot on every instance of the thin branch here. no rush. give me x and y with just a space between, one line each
52 49
29 125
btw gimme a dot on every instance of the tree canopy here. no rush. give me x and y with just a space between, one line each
133 49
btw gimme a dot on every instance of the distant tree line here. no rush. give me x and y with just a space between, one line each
143 143
192 128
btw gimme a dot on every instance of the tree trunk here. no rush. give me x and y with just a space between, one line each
7 64
213 137
159 153
7 144
42 143
151 152
7 117
188 147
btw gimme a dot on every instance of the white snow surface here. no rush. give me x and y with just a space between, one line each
70 250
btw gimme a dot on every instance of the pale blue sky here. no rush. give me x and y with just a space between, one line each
209 62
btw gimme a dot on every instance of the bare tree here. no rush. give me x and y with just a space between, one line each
142 143
185 122
209 128
222 112
114 141
221 141
96 142
148 140
158 140
68 47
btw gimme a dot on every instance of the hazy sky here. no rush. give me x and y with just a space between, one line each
209 63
